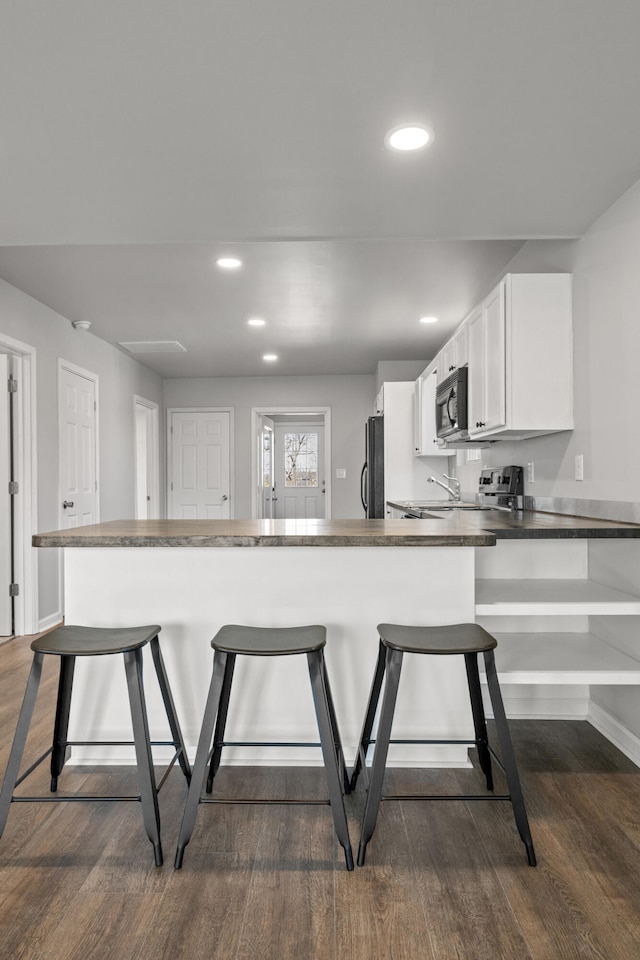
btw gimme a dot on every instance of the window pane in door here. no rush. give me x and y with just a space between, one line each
301 459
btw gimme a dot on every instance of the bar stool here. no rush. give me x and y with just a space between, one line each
230 641
67 643
468 639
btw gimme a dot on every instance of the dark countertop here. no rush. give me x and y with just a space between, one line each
526 524
268 533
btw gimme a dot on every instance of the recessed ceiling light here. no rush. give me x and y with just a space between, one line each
428 319
256 322
229 263
409 137
270 357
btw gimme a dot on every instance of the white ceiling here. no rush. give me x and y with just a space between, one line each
139 141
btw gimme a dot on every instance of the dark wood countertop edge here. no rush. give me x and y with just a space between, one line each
482 539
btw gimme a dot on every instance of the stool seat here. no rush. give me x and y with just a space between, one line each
453 638
77 641
269 641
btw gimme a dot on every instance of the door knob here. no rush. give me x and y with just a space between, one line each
224 496
67 503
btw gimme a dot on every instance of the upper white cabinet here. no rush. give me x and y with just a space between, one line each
454 354
521 358
425 439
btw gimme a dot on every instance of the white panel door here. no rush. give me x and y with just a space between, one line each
6 603
77 448
199 487
299 471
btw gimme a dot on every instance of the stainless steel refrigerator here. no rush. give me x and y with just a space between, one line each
372 476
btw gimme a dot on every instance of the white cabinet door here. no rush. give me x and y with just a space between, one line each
426 437
487 383
475 341
461 347
493 310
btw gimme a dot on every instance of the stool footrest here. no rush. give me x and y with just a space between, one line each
297 803
440 796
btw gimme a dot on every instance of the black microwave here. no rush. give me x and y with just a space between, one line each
452 406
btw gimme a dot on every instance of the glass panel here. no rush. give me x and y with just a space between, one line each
266 458
301 459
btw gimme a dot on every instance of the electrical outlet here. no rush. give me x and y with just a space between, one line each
530 472
579 473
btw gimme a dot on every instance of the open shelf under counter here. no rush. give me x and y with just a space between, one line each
539 597
561 658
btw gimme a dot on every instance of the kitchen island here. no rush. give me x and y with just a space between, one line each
193 576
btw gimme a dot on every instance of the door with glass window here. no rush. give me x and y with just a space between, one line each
299 471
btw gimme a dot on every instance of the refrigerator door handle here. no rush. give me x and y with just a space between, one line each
363 487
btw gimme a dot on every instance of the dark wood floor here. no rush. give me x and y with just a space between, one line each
442 881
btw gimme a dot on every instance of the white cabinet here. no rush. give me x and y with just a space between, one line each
425 439
454 354
487 364
520 358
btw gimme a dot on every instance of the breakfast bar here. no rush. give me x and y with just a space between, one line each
191 577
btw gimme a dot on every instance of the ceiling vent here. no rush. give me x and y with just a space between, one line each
152 346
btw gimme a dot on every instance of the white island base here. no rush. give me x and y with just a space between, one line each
192 591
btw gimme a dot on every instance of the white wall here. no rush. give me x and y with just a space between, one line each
350 398
120 377
606 298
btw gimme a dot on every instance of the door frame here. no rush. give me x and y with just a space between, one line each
25 558
169 458
153 456
93 377
292 410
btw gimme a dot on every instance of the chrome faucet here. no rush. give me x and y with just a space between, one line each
455 493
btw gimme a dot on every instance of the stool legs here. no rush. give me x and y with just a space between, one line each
508 758
202 754
221 720
20 738
479 721
61 726
331 749
367 726
170 709
393 667
146 776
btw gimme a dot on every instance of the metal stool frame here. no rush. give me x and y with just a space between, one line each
388 670
59 750
208 755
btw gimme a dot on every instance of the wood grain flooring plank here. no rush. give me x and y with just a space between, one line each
379 910
103 927
465 908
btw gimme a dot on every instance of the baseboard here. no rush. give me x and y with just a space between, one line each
53 620
619 735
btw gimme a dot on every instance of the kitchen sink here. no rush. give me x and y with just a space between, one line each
444 505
